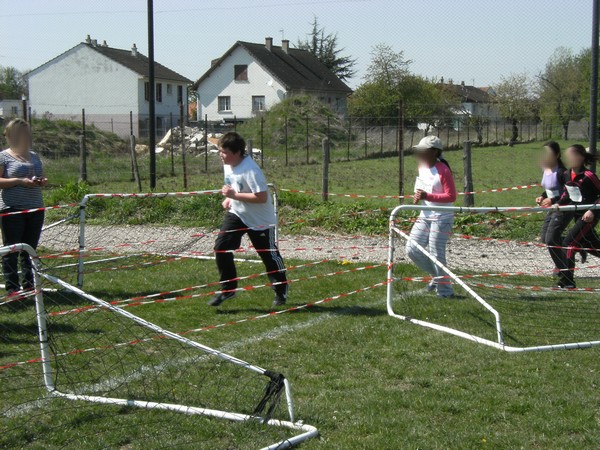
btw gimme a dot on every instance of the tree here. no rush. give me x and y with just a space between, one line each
325 47
516 101
388 81
562 86
12 83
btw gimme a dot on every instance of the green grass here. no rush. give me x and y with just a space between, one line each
364 379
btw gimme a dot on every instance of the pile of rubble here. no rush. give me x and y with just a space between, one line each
195 142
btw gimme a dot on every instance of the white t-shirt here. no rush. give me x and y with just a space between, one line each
247 178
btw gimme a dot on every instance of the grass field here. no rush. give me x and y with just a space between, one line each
364 379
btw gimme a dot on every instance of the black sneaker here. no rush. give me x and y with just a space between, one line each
279 300
566 285
220 298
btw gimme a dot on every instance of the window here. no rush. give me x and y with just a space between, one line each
159 92
240 73
169 89
14 110
179 94
258 103
147 91
225 103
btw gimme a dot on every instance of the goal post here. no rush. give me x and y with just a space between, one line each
112 358
504 294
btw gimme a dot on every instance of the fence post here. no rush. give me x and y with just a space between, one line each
82 150
171 142
134 164
381 139
286 140
262 142
468 174
307 143
325 189
400 144
249 147
366 151
349 137
206 143
182 130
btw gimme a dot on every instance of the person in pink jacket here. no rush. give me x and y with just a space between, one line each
434 187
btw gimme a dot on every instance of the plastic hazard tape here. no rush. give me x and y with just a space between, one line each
205 328
484 191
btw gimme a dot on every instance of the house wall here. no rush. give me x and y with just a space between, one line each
222 83
10 108
165 110
84 78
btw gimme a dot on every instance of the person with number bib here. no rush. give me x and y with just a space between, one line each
582 187
435 187
553 183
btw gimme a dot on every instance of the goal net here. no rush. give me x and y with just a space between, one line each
76 371
103 232
504 281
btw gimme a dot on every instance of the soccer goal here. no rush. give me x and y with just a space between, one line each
130 231
104 377
506 293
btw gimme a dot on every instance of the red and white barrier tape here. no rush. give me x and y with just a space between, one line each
202 329
484 191
131 303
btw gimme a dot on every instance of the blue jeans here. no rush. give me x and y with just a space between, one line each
432 234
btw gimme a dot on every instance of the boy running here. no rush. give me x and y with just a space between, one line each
249 209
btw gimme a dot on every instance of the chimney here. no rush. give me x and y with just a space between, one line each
269 43
104 44
134 51
285 45
94 42
88 39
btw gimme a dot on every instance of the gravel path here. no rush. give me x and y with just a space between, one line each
464 254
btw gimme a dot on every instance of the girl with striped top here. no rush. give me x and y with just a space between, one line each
21 182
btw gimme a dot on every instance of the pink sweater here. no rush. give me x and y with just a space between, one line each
439 177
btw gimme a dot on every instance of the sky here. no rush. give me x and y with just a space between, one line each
476 41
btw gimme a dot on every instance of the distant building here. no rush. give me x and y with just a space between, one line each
250 78
11 108
110 83
474 101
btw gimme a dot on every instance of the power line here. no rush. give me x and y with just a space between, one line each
202 9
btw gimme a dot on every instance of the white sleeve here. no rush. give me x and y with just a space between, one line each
256 181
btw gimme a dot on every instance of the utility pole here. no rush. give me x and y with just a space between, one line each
151 106
594 83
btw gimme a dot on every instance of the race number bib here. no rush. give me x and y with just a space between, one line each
574 193
551 193
423 185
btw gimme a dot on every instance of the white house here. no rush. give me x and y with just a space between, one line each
110 84
474 101
250 78
11 108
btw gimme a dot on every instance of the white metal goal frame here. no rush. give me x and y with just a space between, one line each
305 431
395 233
86 199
